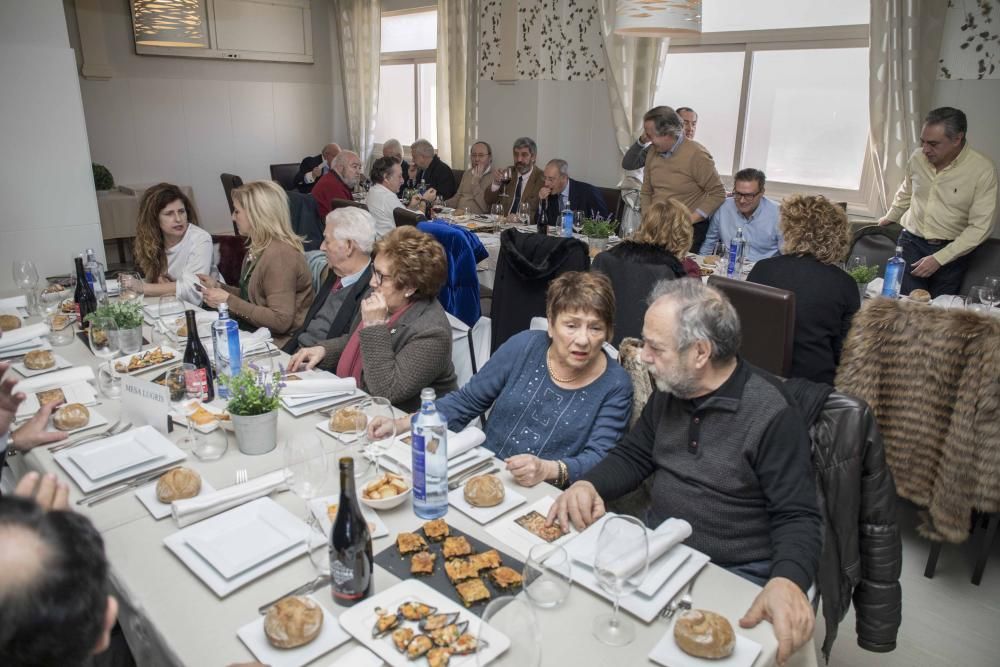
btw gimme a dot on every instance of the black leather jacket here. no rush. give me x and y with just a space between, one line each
862 554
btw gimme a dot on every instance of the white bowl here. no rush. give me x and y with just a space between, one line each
385 503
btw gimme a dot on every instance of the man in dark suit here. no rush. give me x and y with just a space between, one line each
347 242
312 168
560 192
430 169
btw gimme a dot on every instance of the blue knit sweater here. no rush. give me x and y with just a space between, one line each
531 415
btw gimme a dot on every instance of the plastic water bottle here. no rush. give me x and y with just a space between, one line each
894 274
95 275
226 342
567 223
737 249
429 429
423 186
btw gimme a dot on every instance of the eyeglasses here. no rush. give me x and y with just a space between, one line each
379 276
745 195
480 154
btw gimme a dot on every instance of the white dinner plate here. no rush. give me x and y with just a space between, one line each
178 544
330 636
246 541
669 654
511 499
28 372
147 496
113 455
150 437
96 419
318 507
360 619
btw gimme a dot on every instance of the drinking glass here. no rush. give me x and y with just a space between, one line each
548 574
437 206
131 286
620 565
185 375
103 337
980 299
61 330
170 317
514 618
305 465
51 297
211 446
992 283
109 381
25 274
497 212
524 213
857 262
373 408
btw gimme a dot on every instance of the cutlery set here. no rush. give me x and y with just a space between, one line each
115 429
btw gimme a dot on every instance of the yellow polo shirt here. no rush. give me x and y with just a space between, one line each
957 203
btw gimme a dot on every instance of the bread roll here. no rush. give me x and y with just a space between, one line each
484 491
54 288
177 484
704 634
38 360
710 260
71 416
921 295
9 322
293 621
348 420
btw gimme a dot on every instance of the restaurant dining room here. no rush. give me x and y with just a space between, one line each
499 332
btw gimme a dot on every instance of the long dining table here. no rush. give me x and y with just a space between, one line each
169 617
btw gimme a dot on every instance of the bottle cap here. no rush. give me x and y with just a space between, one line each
427 394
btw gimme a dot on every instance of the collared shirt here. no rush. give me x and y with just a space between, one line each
347 281
957 203
760 230
564 197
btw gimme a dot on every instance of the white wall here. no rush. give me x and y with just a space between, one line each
46 184
187 120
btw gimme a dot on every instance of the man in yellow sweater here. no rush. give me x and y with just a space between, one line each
679 168
946 205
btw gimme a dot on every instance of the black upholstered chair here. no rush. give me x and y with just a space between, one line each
344 203
876 244
984 261
229 182
404 216
612 198
284 174
767 321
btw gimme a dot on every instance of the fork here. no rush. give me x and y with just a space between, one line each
112 430
241 476
681 602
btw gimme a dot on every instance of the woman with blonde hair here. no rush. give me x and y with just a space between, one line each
655 252
275 287
170 248
817 238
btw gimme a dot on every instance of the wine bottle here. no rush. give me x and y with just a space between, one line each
84 300
195 354
351 560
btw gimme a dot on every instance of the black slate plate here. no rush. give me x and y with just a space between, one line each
390 559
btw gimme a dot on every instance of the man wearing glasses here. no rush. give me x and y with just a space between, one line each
471 194
750 210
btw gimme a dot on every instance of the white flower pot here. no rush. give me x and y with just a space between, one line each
256 434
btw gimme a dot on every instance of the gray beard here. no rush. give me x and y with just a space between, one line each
685 388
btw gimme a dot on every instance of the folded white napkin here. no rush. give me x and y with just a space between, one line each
192 510
948 301
330 385
667 535
56 379
14 302
875 287
18 336
459 443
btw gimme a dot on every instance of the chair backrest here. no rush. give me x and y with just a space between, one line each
342 203
404 216
767 322
470 347
232 250
229 182
316 261
876 244
458 175
612 197
984 261
284 174
305 219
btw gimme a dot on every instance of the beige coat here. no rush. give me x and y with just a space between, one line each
471 193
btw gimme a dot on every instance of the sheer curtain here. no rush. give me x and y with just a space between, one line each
359 29
905 41
457 61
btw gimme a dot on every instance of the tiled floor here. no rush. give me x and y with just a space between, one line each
946 620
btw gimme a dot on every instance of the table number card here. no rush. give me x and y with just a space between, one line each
145 402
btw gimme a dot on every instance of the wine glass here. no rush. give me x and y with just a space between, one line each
857 262
103 337
437 206
189 377
992 283
306 471
512 617
131 286
548 574
620 565
170 317
51 297
25 274
524 213
373 408
497 212
980 299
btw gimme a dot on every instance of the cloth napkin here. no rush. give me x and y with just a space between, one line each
192 510
24 334
330 385
875 287
56 379
459 443
667 535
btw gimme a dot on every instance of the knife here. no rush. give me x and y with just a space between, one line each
305 589
471 472
123 486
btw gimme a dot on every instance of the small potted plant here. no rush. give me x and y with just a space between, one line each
862 276
254 396
128 318
598 231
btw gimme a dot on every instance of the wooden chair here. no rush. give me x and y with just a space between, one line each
232 251
767 321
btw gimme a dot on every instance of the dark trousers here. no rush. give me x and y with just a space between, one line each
700 230
946 280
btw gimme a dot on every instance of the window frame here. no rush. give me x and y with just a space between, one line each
784 39
414 59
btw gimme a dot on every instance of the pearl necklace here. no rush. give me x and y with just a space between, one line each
552 374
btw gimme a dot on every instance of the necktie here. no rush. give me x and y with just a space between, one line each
517 196
337 286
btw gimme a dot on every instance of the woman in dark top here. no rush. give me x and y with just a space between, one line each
817 238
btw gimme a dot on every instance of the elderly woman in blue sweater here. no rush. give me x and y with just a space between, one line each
559 402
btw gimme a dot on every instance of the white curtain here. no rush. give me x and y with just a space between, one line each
457 64
359 29
633 69
905 38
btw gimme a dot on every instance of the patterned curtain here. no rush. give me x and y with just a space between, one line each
457 69
359 28
905 42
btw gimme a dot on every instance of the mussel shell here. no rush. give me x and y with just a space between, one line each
419 646
406 636
447 635
386 623
437 621
467 644
438 656
416 611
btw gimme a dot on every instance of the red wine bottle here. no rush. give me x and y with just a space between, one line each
195 354
84 300
351 561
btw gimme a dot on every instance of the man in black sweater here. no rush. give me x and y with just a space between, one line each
728 452
430 169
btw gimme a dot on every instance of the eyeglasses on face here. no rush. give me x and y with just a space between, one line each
379 276
745 195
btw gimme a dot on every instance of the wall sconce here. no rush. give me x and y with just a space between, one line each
657 18
179 23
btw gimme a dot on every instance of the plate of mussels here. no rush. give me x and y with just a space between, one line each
412 624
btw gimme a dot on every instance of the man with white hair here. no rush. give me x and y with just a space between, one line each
347 242
392 148
312 168
561 192
430 169
338 183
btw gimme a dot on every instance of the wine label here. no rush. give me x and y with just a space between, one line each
351 580
196 382
419 467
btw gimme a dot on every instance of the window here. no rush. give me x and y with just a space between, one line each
781 86
407 92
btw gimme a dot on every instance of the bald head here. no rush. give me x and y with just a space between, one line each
348 165
22 560
330 151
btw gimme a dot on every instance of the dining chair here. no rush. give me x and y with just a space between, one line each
343 203
983 261
404 216
284 174
229 183
876 244
767 322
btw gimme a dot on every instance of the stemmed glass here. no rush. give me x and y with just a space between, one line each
856 262
505 178
103 337
373 408
620 565
514 618
306 470
186 375
992 285
524 213
51 298
25 274
170 317
131 287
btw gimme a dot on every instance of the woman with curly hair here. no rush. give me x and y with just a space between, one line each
817 238
170 248
657 251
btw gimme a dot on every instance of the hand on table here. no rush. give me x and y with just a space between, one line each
924 267
306 358
374 310
383 427
9 399
529 470
32 433
580 505
46 490
784 604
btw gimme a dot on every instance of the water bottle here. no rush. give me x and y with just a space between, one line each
95 275
226 342
423 186
737 249
894 274
567 223
429 429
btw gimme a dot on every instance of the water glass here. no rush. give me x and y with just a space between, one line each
992 284
620 566
50 298
131 286
497 213
524 213
170 317
373 408
980 299
211 446
514 618
103 337
109 381
857 262
548 574
305 465
61 330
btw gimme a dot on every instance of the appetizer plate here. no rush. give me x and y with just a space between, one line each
178 543
176 357
519 539
77 392
331 635
217 407
96 419
511 499
28 372
669 654
150 438
360 619
147 496
318 507
113 455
